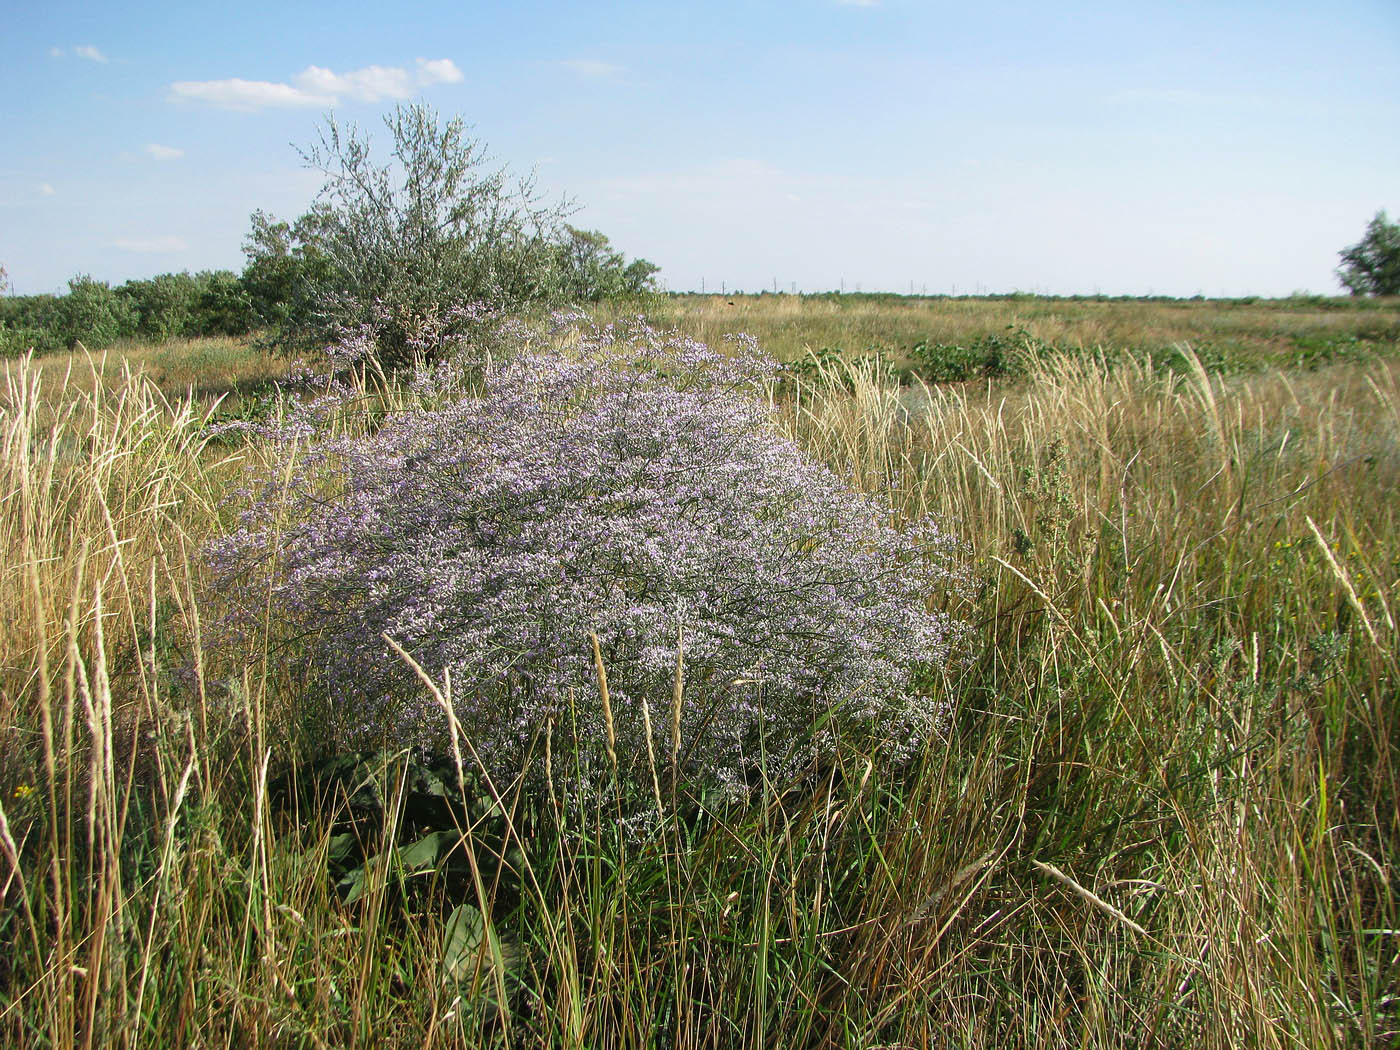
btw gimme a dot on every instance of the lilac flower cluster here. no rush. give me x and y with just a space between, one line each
394 336
615 481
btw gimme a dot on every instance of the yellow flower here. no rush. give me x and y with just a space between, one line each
24 790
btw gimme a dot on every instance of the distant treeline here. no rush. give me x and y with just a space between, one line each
1301 300
280 283
171 305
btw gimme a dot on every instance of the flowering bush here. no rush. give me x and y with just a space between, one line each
623 483
416 340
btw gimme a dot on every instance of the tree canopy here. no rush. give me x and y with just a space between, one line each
1371 266
395 247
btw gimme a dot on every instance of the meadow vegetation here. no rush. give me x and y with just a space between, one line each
1162 807
932 335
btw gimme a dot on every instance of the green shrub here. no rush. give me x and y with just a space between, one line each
94 314
29 322
163 304
285 269
990 356
223 305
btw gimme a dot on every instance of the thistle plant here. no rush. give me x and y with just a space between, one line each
617 484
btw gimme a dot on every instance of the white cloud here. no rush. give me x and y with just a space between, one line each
371 84
45 190
320 87
55 52
236 93
159 152
150 245
89 51
438 71
591 67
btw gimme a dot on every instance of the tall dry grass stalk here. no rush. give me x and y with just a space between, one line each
1185 687
150 893
98 490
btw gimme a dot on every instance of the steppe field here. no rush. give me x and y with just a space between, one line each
1162 808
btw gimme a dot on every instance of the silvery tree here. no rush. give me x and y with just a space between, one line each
397 245
617 482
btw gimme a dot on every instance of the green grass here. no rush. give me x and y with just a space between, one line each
1230 335
1165 814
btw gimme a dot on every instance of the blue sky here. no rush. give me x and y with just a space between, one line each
1123 148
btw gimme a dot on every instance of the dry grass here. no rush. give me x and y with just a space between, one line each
1165 815
1187 665
206 369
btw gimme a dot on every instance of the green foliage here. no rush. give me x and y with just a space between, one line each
223 305
394 246
184 305
591 270
814 364
1313 352
990 356
29 322
167 306
1371 266
829 366
94 314
163 305
284 270
394 811
395 249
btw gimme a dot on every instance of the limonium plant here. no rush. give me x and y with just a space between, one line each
618 484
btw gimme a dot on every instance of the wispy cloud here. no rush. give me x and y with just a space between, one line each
150 245
159 152
590 67
320 87
89 51
247 95
45 190
437 71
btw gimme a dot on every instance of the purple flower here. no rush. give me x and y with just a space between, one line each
620 481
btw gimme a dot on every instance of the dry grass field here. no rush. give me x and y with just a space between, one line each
1166 811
